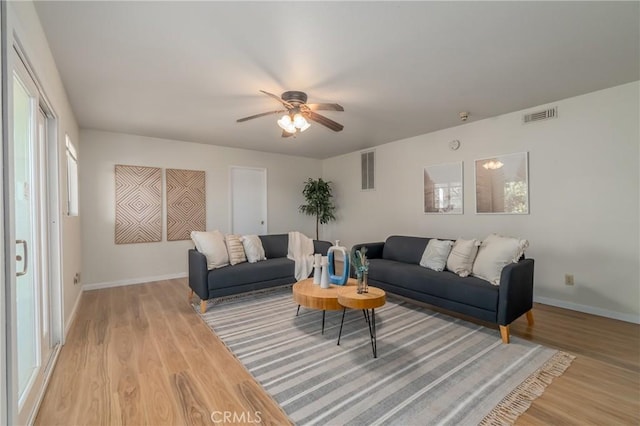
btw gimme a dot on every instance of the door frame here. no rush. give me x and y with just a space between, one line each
4 366
266 195
12 50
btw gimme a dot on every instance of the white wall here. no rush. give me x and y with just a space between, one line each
105 263
584 198
25 23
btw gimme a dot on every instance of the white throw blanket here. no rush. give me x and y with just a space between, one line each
301 252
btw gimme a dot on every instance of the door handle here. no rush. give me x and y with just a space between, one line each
18 258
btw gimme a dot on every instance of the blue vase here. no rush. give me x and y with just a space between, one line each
333 278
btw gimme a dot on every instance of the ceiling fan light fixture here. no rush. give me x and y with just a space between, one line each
291 129
493 165
287 124
300 122
305 126
299 114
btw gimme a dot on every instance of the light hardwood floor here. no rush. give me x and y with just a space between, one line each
141 355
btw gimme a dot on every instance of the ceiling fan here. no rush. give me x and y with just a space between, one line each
297 112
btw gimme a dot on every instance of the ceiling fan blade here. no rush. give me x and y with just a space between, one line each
278 98
321 119
286 134
240 120
325 107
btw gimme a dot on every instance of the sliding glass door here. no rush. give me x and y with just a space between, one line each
30 226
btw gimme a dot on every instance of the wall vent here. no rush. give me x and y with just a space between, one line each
367 160
541 115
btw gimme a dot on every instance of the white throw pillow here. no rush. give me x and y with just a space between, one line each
212 245
435 254
253 248
494 254
235 249
463 253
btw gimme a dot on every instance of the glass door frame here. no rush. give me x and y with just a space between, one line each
12 52
4 367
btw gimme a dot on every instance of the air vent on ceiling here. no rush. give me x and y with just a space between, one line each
541 115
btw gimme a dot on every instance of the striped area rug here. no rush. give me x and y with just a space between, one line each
431 368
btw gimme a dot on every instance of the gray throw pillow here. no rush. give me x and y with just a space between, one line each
435 254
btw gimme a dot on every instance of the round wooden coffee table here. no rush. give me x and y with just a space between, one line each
348 297
310 295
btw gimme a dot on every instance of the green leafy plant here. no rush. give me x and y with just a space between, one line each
359 260
317 194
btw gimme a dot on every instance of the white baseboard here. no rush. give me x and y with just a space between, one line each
588 309
120 283
72 317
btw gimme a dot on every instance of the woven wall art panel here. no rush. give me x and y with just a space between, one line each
186 208
138 204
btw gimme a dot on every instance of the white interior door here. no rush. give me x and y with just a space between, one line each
29 228
248 201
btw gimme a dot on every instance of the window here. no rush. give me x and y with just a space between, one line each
72 178
448 196
368 160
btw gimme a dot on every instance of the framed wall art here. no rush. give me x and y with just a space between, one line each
502 184
186 207
138 204
443 189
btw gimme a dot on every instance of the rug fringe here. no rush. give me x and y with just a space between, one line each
519 400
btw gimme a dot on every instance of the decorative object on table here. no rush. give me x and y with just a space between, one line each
186 203
317 194
502 184
324 280
361 269
317 268
333 278
443 188
138 204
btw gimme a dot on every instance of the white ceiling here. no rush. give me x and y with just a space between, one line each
188 70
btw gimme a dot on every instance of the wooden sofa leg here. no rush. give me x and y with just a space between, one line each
530 317
203 306
190 295
504 333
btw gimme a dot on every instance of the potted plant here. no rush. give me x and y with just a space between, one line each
317 193
360 265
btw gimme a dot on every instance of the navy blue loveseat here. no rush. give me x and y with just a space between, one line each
394 265
277 270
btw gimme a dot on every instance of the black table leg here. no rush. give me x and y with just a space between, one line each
341 322
371 322
374 344
365 312
298 311
323 312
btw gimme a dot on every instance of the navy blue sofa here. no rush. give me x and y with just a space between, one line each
277 270
394 265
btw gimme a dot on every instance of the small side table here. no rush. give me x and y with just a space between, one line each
312 296
348 297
